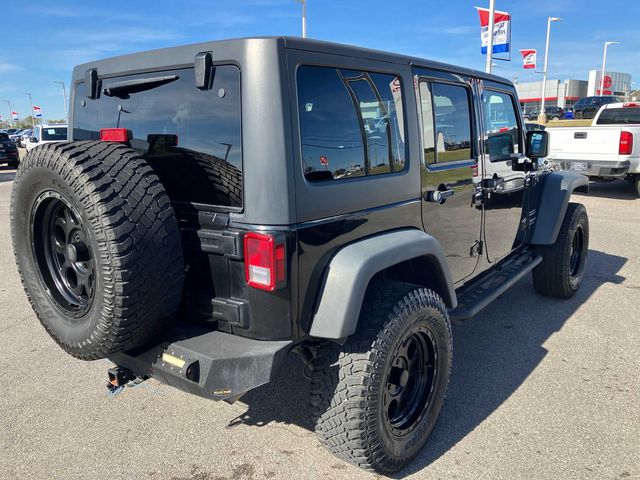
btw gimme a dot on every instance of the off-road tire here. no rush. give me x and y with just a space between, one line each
131 230
348 381
554 276
636 184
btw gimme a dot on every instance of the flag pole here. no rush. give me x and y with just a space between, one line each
492 8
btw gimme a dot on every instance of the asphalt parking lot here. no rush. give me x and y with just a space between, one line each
541 389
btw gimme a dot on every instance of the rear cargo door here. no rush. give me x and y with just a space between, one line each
191 137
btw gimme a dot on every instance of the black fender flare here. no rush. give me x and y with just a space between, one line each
351 269
555 191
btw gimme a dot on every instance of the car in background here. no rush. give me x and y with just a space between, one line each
533 127
46 134
587 107
11 131
24 138
608 149
552 113
8 151
14 136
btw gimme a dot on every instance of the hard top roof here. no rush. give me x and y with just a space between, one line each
109 65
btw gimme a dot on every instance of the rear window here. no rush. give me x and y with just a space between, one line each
351 123
54 133
619 116
192 138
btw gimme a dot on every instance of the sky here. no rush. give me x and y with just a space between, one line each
42 41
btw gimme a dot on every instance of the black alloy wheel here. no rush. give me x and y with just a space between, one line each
61 246
577 252
376 398
411 380
561 271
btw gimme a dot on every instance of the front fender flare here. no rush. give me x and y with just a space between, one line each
556 190
352 268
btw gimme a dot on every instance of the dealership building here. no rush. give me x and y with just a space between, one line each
565 93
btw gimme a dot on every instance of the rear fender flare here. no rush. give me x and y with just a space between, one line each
352 268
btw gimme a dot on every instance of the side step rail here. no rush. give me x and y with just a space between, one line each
479 293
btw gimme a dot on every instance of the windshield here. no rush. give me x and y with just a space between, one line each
619 116
54 133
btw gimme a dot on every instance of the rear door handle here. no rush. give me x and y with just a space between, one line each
439 196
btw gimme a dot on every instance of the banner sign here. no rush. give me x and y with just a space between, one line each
15 115
501 30
529 58
37 112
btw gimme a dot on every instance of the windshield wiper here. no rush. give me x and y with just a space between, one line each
124 88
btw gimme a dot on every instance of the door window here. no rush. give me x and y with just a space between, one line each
446 122
502 137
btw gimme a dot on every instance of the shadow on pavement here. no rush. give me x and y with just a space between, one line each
7 174
493 355
616 189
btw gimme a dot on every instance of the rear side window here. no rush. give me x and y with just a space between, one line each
192 138
351 123
451 108
619 116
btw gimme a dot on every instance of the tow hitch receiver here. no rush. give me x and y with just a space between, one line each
120 377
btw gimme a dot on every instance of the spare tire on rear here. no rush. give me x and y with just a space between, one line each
97 245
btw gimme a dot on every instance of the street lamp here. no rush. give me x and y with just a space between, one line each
546 61
604 63
10 112
64 97
33 123
304 17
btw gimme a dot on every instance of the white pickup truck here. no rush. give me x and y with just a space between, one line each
608 149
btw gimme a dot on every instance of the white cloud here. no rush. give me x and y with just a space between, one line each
8 67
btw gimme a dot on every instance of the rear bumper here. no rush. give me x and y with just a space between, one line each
207 363
598 169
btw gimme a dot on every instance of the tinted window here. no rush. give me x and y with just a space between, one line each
54 133
620 116
192 138
502 131
351 123
3 136
452 124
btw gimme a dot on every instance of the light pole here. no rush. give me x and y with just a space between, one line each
304 17
604 64
10 112
546 62
64 96
33 123
492 9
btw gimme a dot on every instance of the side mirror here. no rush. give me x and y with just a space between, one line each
33 139
537 145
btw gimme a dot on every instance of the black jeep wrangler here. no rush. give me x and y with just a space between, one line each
220 205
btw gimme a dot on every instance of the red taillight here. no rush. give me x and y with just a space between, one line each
626 143
120 135
630 105
264 261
